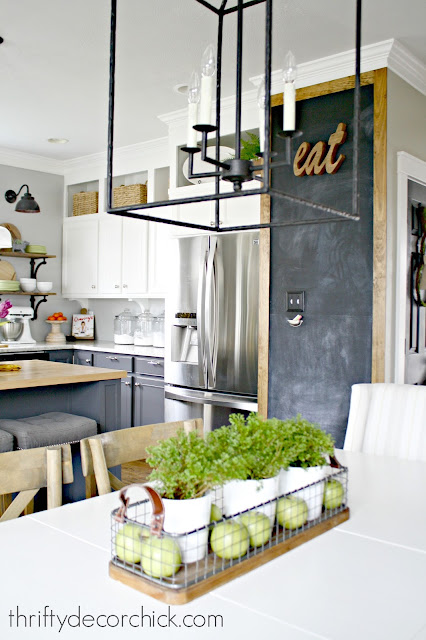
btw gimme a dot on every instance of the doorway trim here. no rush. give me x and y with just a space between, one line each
408 168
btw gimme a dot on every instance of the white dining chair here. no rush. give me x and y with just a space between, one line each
388 419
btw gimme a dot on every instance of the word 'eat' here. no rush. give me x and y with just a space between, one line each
309 161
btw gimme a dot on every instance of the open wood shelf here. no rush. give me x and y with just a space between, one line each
25 293
23 254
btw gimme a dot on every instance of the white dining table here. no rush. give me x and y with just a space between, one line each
363 580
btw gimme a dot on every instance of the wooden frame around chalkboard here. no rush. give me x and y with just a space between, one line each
377 78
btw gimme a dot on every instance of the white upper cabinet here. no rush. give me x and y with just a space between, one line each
80 256
110 255
134 269
123 253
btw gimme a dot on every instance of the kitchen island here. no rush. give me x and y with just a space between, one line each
41 386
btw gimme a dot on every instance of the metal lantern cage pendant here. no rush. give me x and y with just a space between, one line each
237 170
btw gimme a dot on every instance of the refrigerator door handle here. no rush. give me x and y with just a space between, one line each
201 321
211 313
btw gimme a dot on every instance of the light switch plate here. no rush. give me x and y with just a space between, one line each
295 300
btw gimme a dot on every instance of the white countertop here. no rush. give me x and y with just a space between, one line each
86 345
364 579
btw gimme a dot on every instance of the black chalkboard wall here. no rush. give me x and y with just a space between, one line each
312 368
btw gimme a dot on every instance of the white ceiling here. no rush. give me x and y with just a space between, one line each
55 58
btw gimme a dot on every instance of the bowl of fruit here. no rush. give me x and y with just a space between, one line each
55 320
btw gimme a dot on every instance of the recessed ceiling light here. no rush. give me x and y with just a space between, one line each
58 140
181 88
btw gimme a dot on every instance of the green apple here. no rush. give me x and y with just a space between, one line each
333 494
292 512
215 513
128 542
229 539
161 557
259 527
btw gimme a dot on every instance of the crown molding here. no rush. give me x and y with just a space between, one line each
389 53
407 66
133 151
22 160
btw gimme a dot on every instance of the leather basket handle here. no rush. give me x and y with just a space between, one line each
157 519
334 463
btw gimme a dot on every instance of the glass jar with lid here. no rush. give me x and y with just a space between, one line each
143 331
124 327
158 331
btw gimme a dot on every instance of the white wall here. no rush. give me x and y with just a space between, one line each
406 132
42 228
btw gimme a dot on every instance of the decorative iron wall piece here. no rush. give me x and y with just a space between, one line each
237 171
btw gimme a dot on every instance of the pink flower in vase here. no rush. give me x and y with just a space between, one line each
4 309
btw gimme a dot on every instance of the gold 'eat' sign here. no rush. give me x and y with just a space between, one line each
318 160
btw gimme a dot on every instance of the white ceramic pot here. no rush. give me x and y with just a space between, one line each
295 478
181 516
239 495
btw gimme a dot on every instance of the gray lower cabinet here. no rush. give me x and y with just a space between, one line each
84 358
142 391
148 400
61 355
24 355
126 402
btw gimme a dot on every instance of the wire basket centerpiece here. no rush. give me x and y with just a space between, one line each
178 567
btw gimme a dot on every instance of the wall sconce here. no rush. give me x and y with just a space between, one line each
26 204
5 238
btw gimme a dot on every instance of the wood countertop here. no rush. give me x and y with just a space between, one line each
42 373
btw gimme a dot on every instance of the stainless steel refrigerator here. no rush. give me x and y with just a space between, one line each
211 327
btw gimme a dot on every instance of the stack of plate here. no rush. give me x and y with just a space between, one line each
35 248
9 285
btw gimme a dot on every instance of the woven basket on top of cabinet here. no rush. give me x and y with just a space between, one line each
84 203
130 194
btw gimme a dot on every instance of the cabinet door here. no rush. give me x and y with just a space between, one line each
84 358
148 401
110 254
80 256
241 211
198 213
126 403
62 355
134 257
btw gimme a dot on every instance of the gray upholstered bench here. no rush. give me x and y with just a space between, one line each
49 429
6 441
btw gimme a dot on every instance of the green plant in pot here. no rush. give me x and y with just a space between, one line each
307 448
247 455
183 476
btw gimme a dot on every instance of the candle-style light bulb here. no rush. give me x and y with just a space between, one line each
261 101
208 71
289 77
193 100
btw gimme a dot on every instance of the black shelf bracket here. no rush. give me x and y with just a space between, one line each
34 268
35 306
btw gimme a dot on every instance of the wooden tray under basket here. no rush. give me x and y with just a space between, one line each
181 595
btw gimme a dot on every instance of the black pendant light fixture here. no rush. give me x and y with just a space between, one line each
26 204
237 171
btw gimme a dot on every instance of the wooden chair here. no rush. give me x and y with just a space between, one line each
113 448
388 419
28 470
